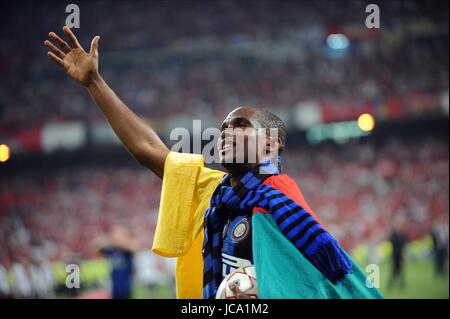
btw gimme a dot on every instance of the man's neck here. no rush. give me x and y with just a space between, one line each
237 171
234 181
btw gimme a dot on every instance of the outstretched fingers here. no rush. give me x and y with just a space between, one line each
53 48
58 60
63 44
72 38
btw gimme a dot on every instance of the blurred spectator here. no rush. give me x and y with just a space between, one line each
398 240
5 290
119 249
439 233
22 280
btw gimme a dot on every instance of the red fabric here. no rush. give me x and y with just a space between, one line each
289 187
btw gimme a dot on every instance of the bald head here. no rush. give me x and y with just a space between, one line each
242 112
259 119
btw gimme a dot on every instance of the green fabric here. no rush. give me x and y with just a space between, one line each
283 272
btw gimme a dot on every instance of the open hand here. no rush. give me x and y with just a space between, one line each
78 64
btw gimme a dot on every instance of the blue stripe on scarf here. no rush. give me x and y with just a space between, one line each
288 221
284 209
302 240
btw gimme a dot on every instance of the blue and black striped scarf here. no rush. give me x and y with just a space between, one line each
308 236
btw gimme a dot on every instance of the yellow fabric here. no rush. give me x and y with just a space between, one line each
186 192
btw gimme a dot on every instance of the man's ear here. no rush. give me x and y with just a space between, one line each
280 144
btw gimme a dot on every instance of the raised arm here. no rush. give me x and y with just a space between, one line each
136 135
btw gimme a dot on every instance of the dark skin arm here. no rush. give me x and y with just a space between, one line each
136 135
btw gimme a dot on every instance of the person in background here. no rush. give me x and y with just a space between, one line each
439 234
398 240
119 248
42 279
5 289
22 279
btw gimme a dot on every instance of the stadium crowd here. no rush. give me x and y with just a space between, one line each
180 58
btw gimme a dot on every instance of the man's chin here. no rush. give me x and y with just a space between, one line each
237 169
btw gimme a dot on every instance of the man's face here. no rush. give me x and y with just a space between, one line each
239 140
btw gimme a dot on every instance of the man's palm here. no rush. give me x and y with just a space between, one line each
78 64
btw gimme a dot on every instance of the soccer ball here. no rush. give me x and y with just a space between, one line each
244 278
